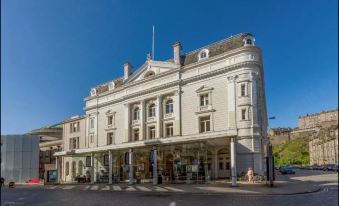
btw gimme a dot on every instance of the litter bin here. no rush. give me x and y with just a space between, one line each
159 179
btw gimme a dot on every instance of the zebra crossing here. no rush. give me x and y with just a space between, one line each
127 188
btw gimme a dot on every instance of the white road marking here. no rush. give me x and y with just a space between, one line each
53 187
160 189
174 189
86 188
116 188
68 187
105 188
143 188
130 188
95 187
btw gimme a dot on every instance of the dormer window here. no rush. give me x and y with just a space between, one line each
93 92
111 86
249 41
203 54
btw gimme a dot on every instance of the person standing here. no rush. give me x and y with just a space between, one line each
250 174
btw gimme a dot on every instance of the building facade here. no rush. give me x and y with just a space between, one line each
50 141
195 117
316 120
19 158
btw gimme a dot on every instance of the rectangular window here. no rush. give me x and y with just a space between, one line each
91 123
243 114
136 135
243 90
151 132
110 138
74 127
204 100
91 138
169 130
88 161
106 160
74 143
205 124
110 120
221 166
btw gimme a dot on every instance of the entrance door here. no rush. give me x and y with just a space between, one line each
224 164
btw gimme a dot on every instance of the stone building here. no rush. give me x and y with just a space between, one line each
279 135
198 116
50 141
324 146
315 120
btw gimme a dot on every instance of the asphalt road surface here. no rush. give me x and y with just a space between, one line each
41 196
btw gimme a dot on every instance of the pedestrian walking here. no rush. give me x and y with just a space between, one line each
2 181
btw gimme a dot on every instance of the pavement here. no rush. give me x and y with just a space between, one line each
290 190
300 183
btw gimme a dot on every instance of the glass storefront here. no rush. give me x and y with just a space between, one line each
184 163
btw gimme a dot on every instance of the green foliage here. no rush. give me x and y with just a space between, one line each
293 152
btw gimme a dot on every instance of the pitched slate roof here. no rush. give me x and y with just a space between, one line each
215 49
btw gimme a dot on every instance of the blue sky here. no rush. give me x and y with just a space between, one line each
54 51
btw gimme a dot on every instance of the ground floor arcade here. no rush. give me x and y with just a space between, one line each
193 162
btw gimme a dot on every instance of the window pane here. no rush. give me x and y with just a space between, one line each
207 126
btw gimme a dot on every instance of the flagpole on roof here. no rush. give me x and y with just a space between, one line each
153 44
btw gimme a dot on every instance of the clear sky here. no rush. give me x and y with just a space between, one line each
54 51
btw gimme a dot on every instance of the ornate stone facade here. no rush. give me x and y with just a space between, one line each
198 116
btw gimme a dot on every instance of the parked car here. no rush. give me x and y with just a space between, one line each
329 167
286 170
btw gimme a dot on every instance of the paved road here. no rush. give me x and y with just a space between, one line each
42 196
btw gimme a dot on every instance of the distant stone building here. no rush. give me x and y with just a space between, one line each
279 135
315 120
324 146
322 130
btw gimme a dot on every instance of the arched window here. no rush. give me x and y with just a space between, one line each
203 54
73 169
136 113
169 106
149 74
80 167
151 110
67 168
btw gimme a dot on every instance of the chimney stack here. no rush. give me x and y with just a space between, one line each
176 50
127 70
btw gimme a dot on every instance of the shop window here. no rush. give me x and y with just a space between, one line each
88 161
227 165
221 166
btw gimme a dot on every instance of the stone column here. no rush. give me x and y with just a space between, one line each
159 116
130 171
57 169
155 166
233 162
109 167
127 122
142 120
93 176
